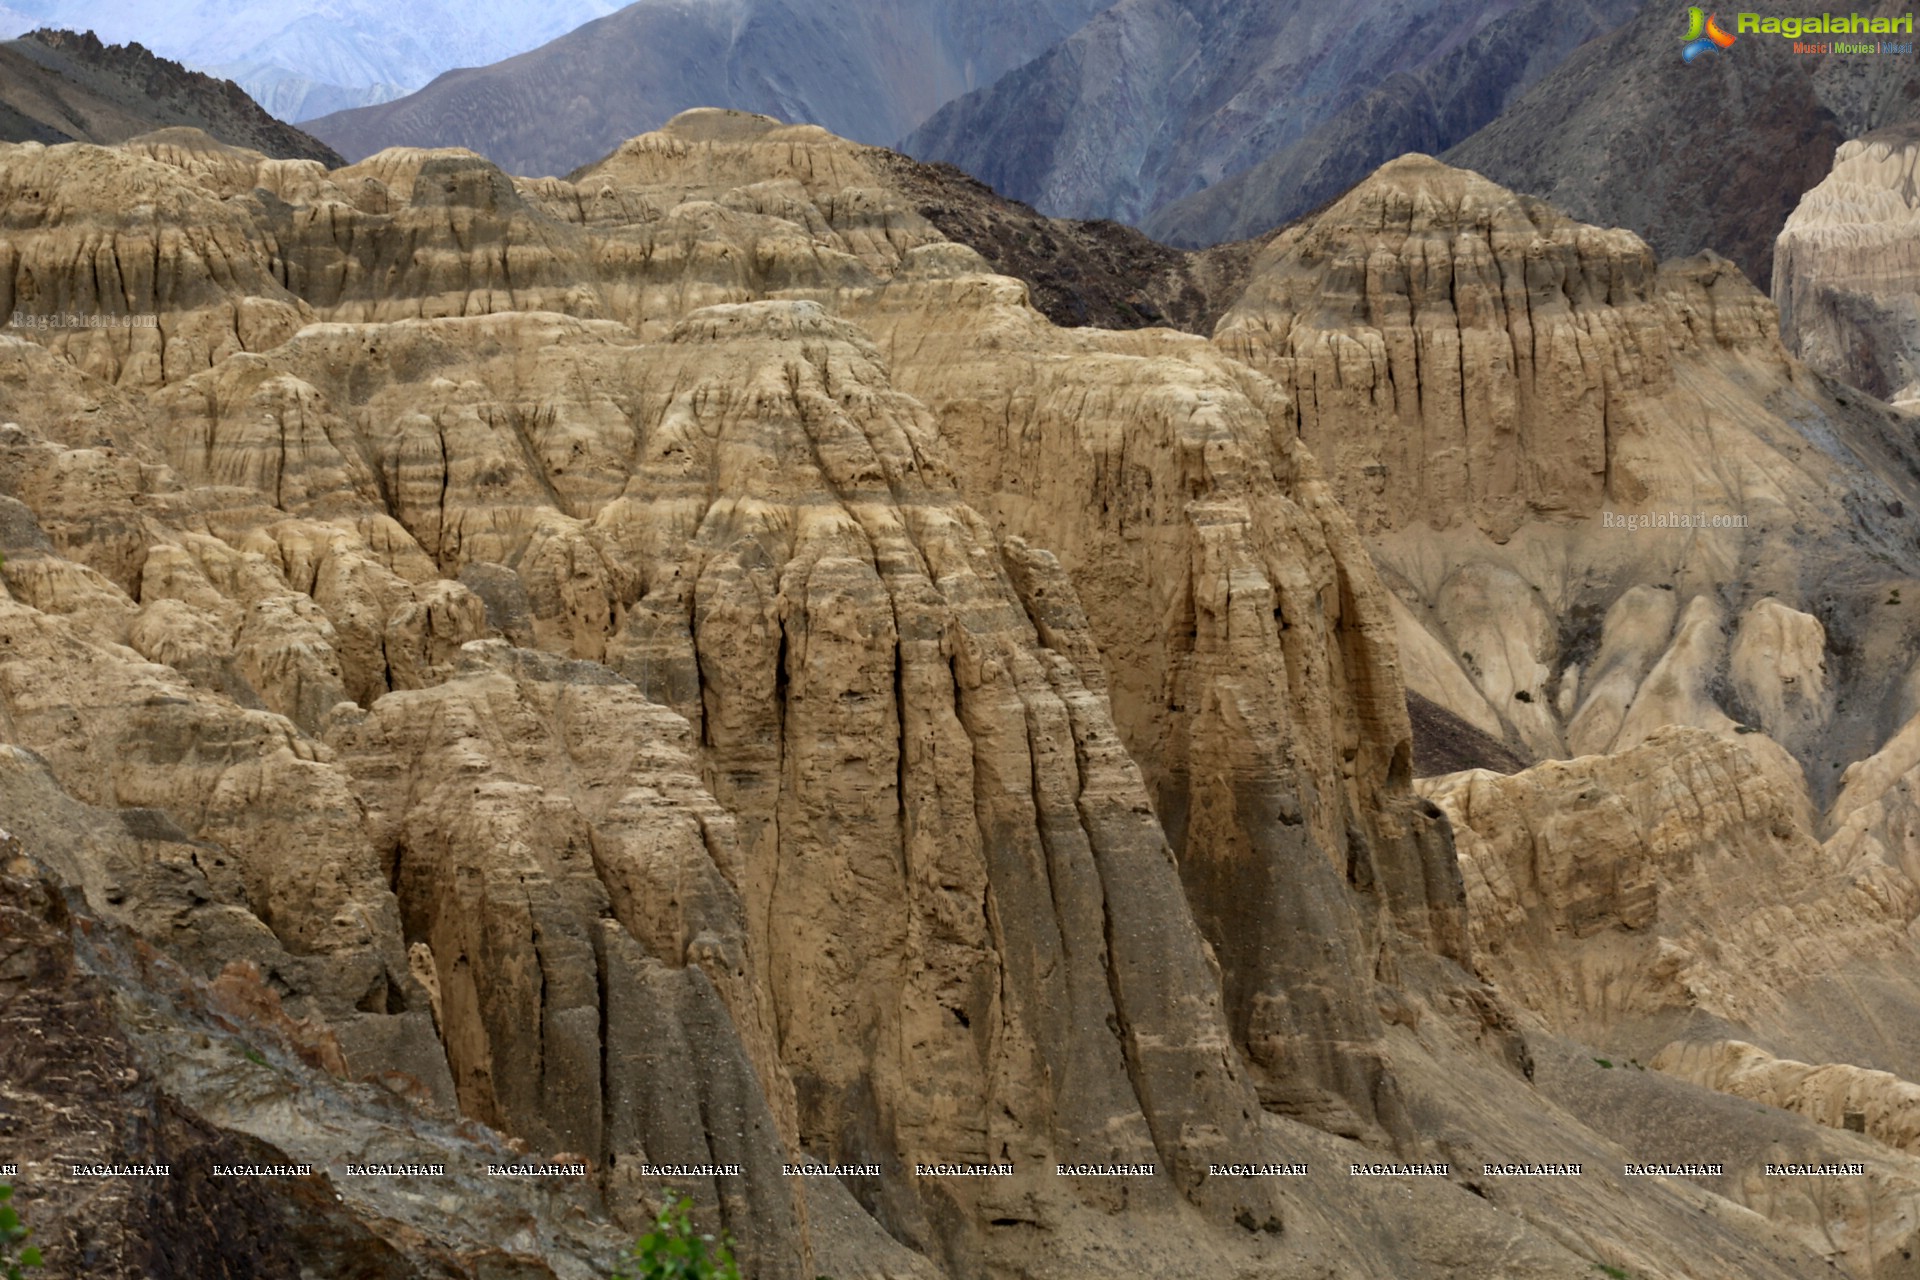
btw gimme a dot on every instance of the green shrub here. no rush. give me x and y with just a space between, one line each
675 1250
16 1255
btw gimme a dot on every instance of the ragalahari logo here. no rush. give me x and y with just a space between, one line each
1703 33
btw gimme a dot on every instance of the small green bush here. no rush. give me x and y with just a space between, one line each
675 1250
16 1255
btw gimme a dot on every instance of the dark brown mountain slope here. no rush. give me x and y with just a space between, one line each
62 86
1081 273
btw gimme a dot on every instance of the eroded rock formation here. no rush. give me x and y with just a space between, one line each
1605 495
1846 274
685 665
1676 875
1839 1096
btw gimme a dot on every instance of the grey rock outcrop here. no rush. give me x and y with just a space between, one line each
63 86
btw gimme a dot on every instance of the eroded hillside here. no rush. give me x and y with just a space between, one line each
1843 270
686 666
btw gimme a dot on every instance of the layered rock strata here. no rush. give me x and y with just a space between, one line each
867 689
1845 273
1839 1096
696 613
1192 498
1606 498
1676 875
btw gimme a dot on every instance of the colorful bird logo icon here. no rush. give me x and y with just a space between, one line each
1703 33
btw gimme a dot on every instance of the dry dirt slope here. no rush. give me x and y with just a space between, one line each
559 631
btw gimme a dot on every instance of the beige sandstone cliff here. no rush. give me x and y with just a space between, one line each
1605 495
561 631
749 522
1677 877
1846 272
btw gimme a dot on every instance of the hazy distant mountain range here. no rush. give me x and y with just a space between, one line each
1427 108
1156 100
1199 121
302 58
871 70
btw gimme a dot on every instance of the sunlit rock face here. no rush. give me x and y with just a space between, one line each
1846 271
684 665
1605 496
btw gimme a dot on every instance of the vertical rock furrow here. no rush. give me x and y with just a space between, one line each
158 282
1845 267
1255 685
569 879
1493 332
